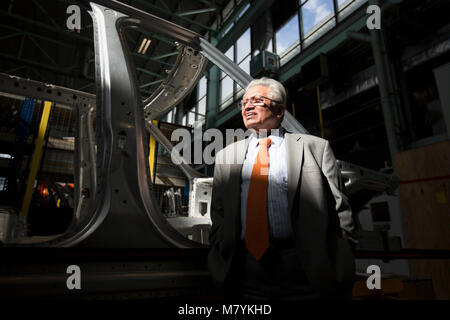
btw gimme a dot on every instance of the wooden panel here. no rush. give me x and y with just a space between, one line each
436 270
425 162
424 193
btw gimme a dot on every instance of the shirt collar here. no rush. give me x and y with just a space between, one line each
276 137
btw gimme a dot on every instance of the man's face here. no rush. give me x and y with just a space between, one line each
261 117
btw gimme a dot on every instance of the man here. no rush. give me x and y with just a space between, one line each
279 218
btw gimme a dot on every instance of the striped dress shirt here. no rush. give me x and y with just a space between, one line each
279 217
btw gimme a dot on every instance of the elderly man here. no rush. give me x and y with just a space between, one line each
279 219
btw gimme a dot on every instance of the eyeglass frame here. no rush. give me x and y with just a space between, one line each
241 106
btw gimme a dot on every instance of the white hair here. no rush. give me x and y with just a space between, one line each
277 91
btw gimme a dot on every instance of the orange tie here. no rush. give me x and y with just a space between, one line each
257 226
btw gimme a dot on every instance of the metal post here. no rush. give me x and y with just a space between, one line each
213 93
152 155
319 106
36 157
387 104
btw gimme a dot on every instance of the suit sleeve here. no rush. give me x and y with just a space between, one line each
343 209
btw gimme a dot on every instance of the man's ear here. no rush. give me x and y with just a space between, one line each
281 110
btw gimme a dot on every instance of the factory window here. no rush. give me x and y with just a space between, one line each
201 100
240 53
243 56
169 116
3 183
226 84
270 46
287 40
201 111
243 46
345 7
317 18
191 117
226 90
226 13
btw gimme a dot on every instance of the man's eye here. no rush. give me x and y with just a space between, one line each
258 101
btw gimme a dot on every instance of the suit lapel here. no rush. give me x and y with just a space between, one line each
294 151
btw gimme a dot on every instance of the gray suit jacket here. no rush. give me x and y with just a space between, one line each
320 213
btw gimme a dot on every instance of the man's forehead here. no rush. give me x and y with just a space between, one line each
254 90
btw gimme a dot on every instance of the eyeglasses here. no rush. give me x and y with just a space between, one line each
257 101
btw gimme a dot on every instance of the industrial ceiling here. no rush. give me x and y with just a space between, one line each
37 44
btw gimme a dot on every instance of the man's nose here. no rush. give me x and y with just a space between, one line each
248 106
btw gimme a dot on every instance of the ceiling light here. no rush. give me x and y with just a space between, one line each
144 46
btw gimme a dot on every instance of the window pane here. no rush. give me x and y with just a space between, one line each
169 116
226 89
183 122
245 65
287 35
315 13
345 7
191 117
202 87
243 46
270 46
202 107
230 53
288 40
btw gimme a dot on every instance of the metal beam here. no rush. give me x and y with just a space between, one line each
56 69
66 33
165 5
146 91
152 35
213 93
43 51
150 83
198 11
209 3
149 72
46 14
9 36
36 159
154 7
385 82
38 36
232 18
166 55
151 59
43 91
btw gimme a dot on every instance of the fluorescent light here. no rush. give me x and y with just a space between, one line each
6 156
144 46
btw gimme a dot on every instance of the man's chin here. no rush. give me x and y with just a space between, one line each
252 127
